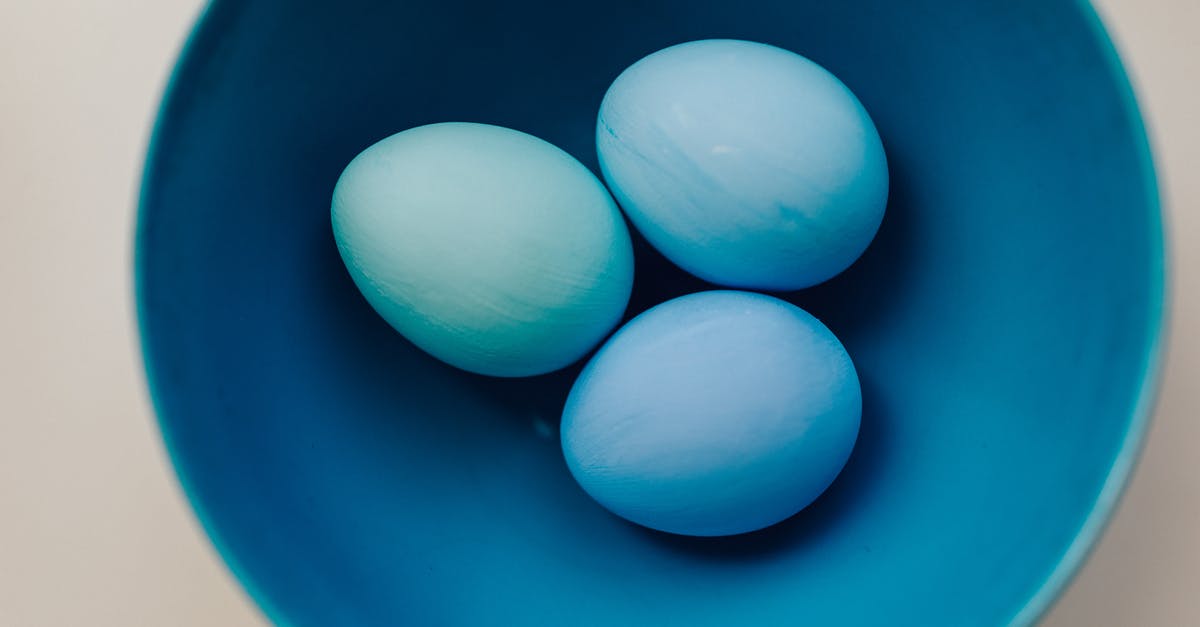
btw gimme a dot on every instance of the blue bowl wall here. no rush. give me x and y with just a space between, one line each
1004 323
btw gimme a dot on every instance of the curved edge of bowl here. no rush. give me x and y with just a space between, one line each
200 39
1086 538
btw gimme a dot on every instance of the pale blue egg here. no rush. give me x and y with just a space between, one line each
713 414
490 249
744 164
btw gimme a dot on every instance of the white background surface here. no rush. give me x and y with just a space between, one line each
93 530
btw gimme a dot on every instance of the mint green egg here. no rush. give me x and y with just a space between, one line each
488 248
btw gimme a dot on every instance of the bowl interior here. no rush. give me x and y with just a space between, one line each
1004 322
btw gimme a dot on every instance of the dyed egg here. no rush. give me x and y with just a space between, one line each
713 414
490 249
744 164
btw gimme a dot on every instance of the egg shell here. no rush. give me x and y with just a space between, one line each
745 164
713 414
488 248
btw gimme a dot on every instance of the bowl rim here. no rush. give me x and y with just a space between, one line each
1072 559
200 39
203 36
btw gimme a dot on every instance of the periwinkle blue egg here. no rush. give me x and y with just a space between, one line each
713 414
490 249
745 164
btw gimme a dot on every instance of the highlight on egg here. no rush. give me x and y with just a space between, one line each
746 165
713 414
490 249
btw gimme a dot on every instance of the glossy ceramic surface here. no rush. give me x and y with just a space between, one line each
1005 322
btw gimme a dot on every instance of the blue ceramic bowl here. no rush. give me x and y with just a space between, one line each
1006 322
